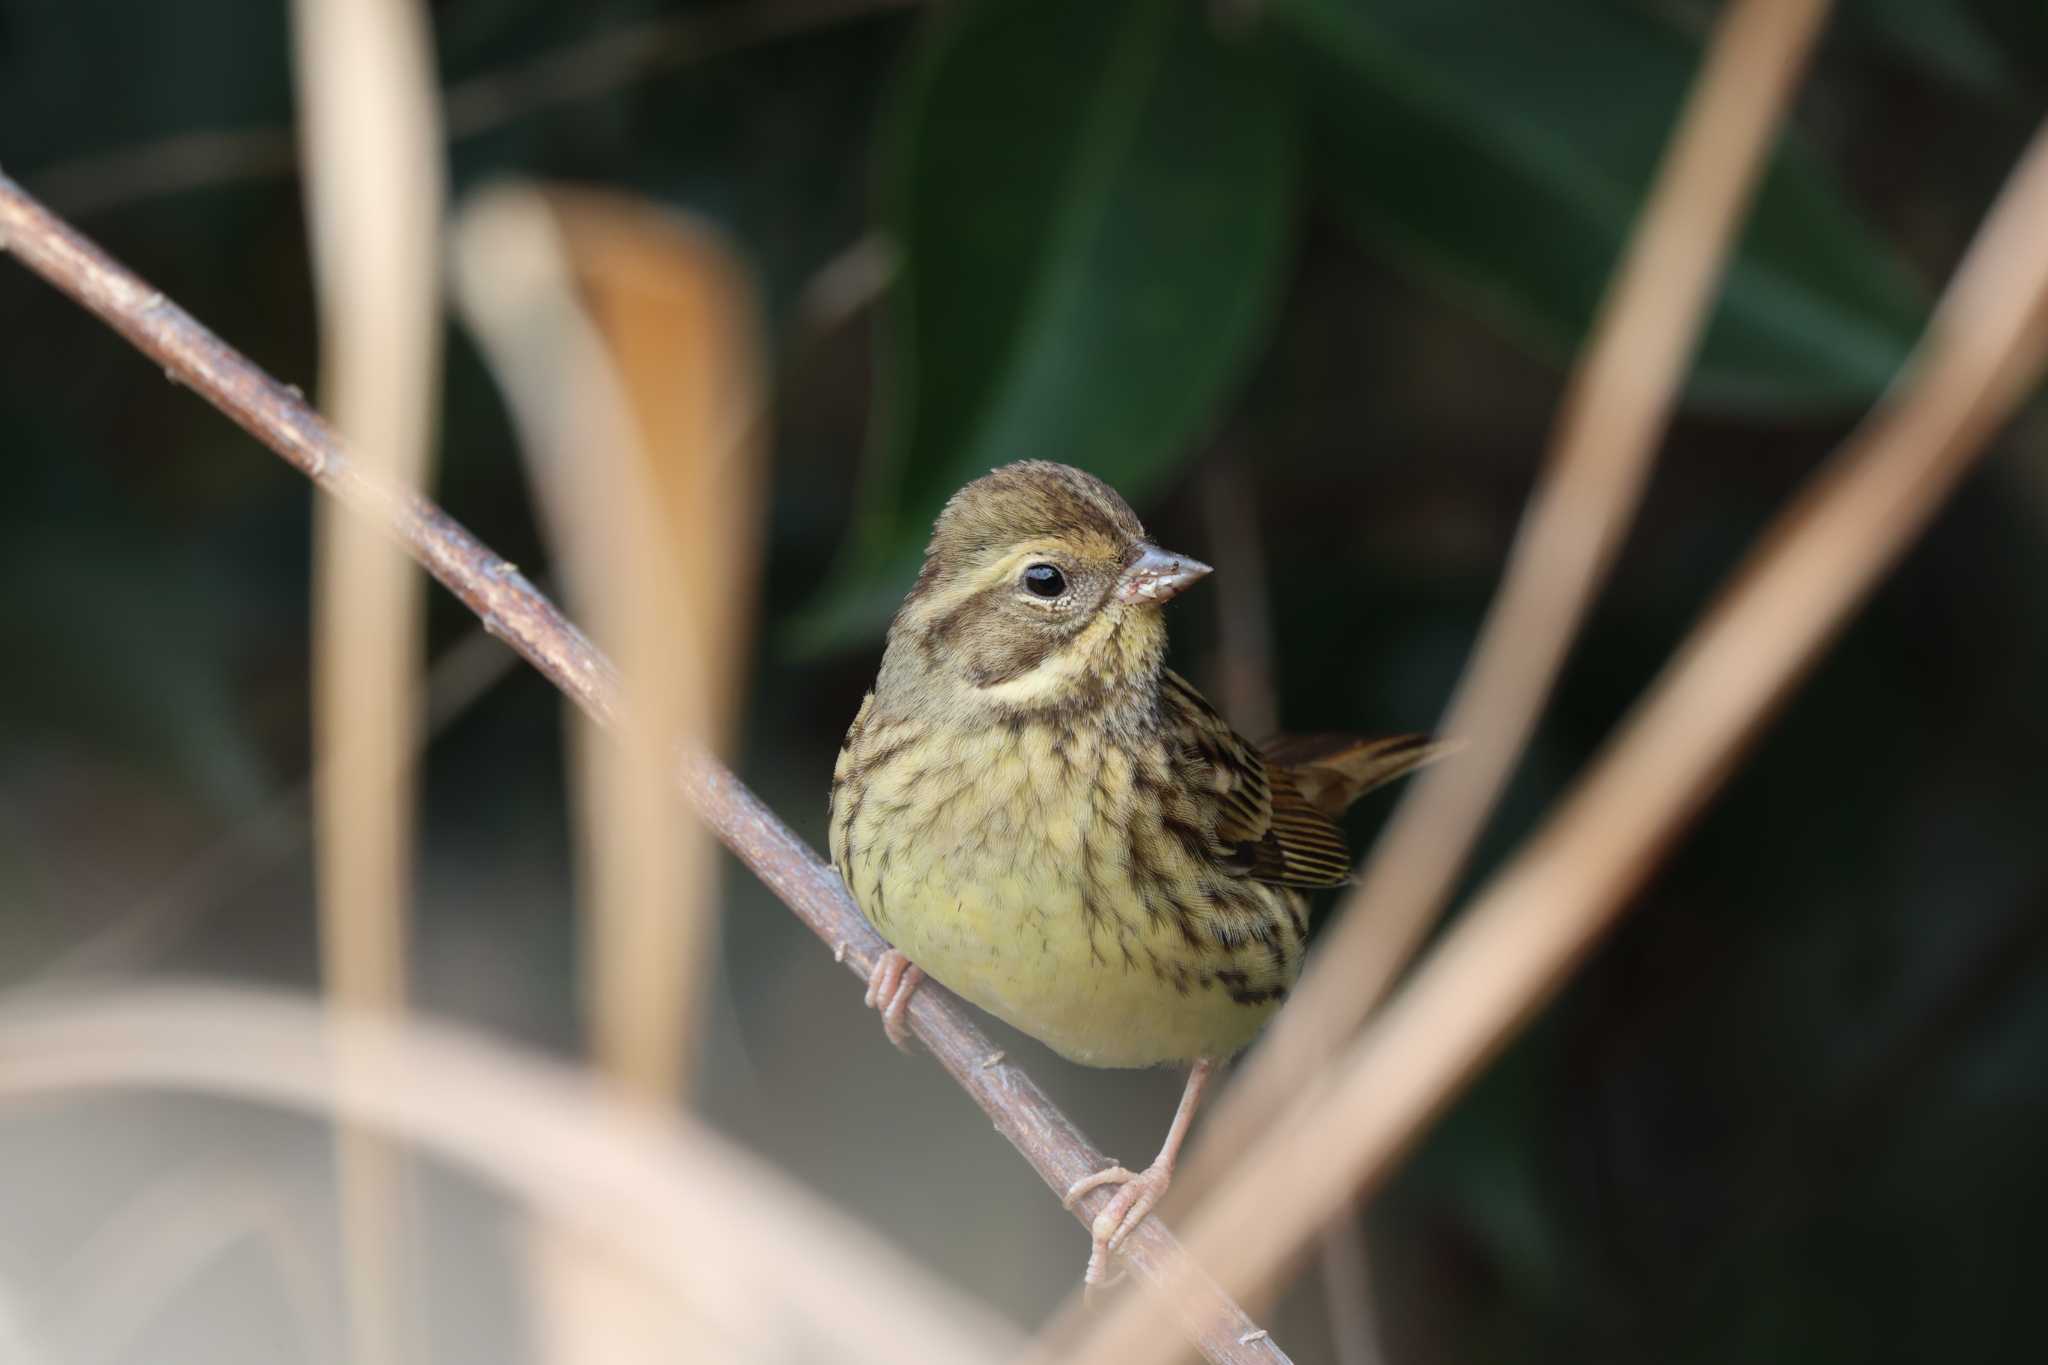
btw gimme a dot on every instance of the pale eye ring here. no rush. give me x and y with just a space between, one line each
1044 580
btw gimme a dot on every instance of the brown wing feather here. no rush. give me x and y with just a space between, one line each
1332 771
1255 814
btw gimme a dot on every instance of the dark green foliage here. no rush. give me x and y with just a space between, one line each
1095 203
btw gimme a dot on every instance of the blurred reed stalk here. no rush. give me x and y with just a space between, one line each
625 339
791 1278
680 318
1616 407
509 606
371 146
1242 677
627 343
1983 353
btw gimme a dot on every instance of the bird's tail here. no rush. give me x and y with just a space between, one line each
1332 771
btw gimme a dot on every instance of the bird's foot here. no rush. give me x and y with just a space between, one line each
890 985
1140 1191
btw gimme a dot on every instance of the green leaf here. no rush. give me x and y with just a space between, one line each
1504 150
1094 208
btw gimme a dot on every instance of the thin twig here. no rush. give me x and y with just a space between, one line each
1242 670
149 926
512 609
1346 1265
582 70
166 1237
1983 352
16 1342
1605 440
606 61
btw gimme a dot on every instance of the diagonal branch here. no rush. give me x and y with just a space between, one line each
512 609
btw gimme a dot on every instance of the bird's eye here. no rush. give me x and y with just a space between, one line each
1043 580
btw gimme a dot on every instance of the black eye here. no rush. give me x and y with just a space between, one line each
1043 580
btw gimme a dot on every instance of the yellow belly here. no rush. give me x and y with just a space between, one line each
1006 875
1025 956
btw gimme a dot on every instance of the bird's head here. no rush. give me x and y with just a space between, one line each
1040 591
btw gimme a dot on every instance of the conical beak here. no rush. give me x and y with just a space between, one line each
1157 576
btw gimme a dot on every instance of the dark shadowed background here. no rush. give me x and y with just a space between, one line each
1300 278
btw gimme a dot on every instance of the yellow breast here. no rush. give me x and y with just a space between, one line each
1028 870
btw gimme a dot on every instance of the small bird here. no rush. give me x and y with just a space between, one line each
1038 813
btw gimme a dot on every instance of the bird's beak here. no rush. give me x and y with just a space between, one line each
1157 576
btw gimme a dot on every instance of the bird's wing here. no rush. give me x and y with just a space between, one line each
1254 814
1332 771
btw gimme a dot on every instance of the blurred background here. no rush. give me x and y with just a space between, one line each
1300 278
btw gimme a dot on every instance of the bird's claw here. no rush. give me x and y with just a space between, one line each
1108 1175
890 985
1142 1190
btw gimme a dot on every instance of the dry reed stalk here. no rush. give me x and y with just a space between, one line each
626 342
792 1279
372 146
1984 350
677 311
639 870
1241 678
1614 413
510 607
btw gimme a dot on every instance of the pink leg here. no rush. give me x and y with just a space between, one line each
1141 1189
890 985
